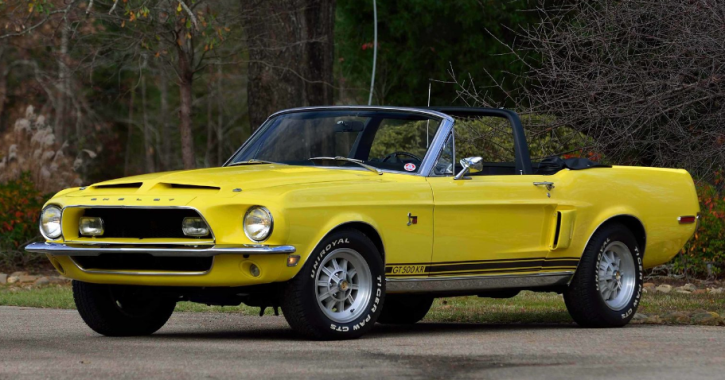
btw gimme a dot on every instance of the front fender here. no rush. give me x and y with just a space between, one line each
338 220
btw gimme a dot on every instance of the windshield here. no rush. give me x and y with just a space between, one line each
394 140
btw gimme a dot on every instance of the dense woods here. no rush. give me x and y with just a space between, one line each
161 85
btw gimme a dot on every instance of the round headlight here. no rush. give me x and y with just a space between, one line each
50 222
258 223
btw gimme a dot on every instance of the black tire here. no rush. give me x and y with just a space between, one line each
583 299
115 310
404 309
299 302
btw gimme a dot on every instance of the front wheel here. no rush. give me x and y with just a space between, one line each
607 287
115 310
339 292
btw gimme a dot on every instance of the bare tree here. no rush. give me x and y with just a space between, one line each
26 26
36 65
644 80
291 51
138 67
94 55
182 35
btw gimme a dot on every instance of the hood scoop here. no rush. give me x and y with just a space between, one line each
191 187
131 185
183 188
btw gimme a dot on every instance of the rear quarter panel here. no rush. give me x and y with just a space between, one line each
656 197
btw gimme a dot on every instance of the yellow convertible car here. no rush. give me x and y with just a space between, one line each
348 216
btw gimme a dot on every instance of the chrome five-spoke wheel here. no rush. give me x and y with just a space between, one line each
343 285
616 275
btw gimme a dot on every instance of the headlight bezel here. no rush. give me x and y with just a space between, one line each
41 223
271 223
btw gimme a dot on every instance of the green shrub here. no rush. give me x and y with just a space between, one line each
704 254
20 205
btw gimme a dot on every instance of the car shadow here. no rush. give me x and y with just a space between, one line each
284 333
452 327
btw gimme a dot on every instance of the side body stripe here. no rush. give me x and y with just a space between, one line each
459 268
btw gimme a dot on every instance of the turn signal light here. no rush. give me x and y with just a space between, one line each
292 260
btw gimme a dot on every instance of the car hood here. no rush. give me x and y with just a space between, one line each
224 181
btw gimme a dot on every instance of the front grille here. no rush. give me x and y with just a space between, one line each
142 223
143 261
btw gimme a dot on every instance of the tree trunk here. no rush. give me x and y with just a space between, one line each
3 82
63 77
209 158
291 50
164 123
186 81
147 143
220 118
129 135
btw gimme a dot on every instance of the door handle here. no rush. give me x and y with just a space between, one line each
548 185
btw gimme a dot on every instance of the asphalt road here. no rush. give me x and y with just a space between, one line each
37 344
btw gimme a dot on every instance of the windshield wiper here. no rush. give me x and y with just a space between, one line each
354 161
253 161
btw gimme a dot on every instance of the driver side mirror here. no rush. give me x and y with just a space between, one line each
470 165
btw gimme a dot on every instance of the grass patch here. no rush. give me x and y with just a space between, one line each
47 297
527 307
61 297
530 307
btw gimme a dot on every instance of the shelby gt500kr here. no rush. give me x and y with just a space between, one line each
348 216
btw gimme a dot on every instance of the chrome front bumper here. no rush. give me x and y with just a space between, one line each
59 249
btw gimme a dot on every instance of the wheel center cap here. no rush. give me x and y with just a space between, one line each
618 276
344 285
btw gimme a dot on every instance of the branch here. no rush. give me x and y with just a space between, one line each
37 73
191 14
39 24
113 8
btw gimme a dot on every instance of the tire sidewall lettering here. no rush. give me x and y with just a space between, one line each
374 305
638 294
328 248
629 310
599 259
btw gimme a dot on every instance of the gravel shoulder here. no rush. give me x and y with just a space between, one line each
45 343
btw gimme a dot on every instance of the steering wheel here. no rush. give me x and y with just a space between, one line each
401 153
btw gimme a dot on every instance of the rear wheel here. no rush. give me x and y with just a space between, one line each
116 310
607 287
339 292
405 309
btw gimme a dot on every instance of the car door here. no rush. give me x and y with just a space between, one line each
493 222
490 225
